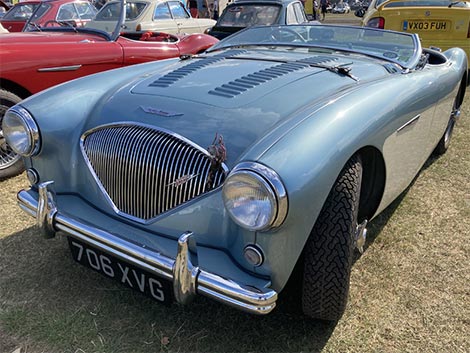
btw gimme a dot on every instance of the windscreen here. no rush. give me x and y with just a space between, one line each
249 15
110 11
397 47
20 12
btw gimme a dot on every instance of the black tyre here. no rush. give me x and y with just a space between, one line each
329 251
11 163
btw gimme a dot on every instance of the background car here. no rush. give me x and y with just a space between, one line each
15 19
4 7
38 60
439 23
246 13
341 7
229 173
169 16
48 13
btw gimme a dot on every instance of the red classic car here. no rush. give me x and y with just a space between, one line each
48 13
37 60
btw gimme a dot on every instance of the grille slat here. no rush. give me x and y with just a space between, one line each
144 171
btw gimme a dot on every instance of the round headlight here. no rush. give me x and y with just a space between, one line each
253 198
20 131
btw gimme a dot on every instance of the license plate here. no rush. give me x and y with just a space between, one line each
129 275
413 26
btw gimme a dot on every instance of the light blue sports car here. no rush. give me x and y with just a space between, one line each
216 174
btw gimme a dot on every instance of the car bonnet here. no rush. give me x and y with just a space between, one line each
241 99
238 77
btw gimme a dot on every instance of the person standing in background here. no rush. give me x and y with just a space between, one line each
315 9
203 9
323 4
215 10
192 6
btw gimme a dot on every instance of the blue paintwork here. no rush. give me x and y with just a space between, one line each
305 125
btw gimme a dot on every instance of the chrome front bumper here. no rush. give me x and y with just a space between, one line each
188 279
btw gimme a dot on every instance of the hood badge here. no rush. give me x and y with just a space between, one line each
218 154
155 111
182 180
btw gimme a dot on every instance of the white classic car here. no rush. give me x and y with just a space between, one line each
169 16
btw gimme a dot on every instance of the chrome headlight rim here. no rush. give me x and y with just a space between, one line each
273 183
30 127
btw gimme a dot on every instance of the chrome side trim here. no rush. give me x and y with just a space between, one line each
60 68
409 123
188 279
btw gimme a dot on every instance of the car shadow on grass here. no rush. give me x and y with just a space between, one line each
51 303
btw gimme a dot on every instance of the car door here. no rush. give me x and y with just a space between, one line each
162 20
295 14
136 52
184 21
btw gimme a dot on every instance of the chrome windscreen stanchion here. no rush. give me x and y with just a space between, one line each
184 271
46 209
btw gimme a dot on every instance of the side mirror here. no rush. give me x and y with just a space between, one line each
360 13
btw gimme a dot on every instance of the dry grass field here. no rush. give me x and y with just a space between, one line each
410 290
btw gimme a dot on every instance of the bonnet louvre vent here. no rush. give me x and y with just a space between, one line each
172 77
244 83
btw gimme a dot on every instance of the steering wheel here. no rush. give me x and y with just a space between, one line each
60 23
277 34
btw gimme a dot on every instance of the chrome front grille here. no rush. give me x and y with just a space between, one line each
145 172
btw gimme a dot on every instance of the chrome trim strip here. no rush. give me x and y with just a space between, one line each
187 278
409 123
60 68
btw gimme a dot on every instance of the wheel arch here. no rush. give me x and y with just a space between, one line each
14 88
463 87
373 181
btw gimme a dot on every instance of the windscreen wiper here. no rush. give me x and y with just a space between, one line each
342 69
337 69
454 3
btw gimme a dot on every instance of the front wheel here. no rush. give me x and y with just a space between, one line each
11 163
329 250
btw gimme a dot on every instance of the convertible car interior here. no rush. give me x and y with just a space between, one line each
150 36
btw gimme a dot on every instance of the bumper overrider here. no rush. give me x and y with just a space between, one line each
188 279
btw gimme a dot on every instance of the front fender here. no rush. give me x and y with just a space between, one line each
310 155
